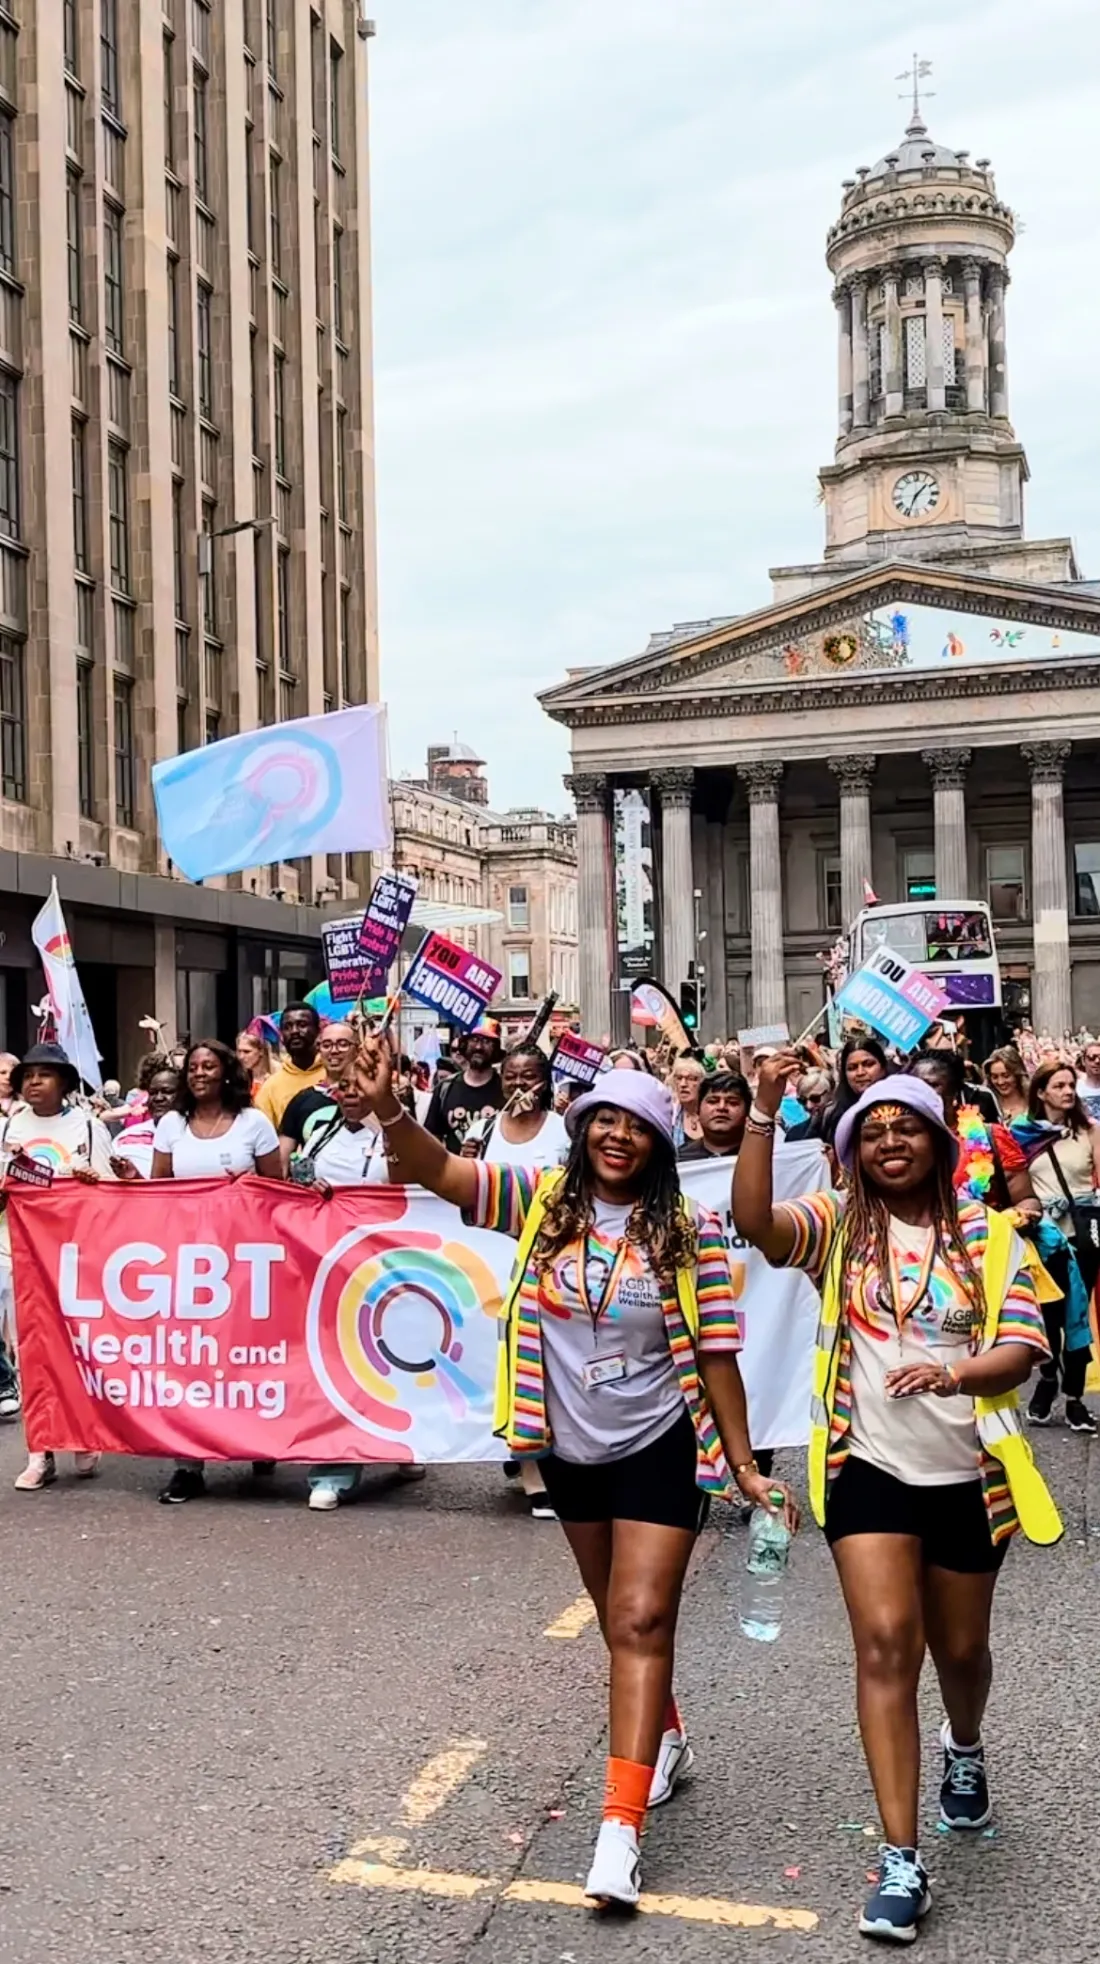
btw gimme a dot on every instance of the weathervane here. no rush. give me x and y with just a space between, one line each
914 77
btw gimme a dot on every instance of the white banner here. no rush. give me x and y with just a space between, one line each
779 1306
70 1011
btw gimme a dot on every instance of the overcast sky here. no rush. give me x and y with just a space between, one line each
606 348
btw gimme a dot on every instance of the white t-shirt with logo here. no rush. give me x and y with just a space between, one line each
549 1147
235 1151
352 1159
71 1138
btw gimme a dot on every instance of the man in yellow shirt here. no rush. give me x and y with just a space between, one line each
303 1065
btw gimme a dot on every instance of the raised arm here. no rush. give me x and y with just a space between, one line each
416 1159
753 1213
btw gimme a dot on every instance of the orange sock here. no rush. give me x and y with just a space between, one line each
672 1722
626 1795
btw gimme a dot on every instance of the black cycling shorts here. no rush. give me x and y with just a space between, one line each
656 1485
950 1522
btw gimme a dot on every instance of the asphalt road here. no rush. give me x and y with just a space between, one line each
240 1731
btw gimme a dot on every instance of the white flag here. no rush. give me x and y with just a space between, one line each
70 1011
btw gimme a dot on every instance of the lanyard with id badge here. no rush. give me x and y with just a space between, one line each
608 1365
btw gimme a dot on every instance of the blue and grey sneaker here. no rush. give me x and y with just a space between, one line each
964 1790
900 1897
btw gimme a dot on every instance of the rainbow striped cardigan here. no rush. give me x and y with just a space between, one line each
702 1302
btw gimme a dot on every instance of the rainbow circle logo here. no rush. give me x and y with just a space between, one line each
401 1335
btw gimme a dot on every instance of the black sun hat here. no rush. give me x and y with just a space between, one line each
53 1058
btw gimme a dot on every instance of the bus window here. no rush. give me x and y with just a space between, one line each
960 937
904 933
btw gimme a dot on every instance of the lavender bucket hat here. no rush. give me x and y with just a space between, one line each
630 1091
913 1093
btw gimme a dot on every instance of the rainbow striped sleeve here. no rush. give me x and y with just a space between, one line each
720 1326
1021 1319
503 1199
815 1222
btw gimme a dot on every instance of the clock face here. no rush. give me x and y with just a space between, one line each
916 494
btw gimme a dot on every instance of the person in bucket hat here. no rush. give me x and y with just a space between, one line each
919 1471
619 1374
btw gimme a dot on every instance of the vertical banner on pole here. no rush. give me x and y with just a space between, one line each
632 840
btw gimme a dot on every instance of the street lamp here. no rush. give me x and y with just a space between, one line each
700 971
206 540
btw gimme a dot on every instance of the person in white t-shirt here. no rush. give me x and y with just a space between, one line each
1088 1084
214 1132
133 1146
348 1150
527 1131
46 1127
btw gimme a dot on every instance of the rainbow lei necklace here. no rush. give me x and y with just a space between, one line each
974 1135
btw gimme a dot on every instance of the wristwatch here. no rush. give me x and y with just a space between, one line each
746 1466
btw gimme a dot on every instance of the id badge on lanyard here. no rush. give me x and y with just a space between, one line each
608 1364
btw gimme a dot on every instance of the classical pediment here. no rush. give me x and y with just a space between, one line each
900 620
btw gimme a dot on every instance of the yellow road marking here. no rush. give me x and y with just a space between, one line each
573 1620
436 1782
567 1895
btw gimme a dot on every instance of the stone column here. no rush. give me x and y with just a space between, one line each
975 340
948 768
893 379
861 398
1051 1007
842 300
677 876
769 989
933 333
854 775
595 911
998 361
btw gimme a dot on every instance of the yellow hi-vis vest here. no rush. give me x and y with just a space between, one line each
997 1418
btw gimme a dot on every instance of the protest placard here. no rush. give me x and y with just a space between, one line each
348 970
385 921
574 1057
893 997
452 981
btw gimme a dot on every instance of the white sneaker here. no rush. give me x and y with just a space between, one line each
615 1875
675 1760
10 1405
86 1465
323 1499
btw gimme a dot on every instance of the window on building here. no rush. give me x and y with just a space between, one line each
85 737
272 38
178 582
1086 869
125 770
346 690
279 409
518 907
80 500
254 382
118 518
203 348
832 911
949 349
335 81
916 367
108 56
75 245
209 588
282 596
276 220
250 192
7 195
175 371
169 103
71 36
212 726
1005 882
13 718
9 456
202 154
200 30
519 974
338 283
112 278
920 875
342 465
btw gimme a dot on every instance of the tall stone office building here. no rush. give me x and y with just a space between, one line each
185 348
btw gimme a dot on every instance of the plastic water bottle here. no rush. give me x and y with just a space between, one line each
765 1567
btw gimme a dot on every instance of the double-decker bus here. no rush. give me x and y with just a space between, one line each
951 941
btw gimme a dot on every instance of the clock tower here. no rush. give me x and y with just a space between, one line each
927 464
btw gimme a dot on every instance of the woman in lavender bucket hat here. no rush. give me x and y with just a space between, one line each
618 1371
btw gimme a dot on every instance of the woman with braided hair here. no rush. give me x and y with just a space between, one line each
619 1374
919 1471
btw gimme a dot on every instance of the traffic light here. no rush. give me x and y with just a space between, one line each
688 1015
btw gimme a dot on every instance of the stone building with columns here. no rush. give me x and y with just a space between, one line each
918 711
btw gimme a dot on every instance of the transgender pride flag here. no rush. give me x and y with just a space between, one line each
315 785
